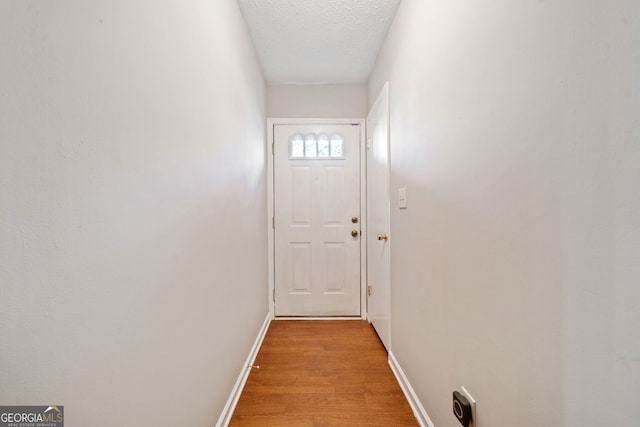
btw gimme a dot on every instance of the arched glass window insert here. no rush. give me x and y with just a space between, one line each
310 146
323 145
297 147
337 146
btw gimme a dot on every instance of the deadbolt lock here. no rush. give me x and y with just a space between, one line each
354 220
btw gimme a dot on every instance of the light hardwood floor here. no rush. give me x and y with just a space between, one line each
322 373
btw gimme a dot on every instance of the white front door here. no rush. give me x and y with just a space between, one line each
378 211
317 219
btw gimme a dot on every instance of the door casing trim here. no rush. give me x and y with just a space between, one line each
271 122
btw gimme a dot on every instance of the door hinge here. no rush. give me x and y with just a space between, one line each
273 222
369 290
273 148
274 294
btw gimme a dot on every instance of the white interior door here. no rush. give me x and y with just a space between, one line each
317 220
378 223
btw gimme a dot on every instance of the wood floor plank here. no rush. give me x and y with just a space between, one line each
322 373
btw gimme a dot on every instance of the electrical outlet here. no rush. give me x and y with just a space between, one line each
462 409
472 401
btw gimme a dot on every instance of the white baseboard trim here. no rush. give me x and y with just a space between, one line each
318 318
227 412
410 394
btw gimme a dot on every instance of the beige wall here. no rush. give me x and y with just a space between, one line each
132 208
317 101
515 268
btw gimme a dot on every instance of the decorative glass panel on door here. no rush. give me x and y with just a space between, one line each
337 146
310 145
297 147
323 145
313 146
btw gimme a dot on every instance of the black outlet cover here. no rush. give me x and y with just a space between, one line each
461 409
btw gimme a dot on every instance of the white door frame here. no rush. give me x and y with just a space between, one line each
271 122
382 328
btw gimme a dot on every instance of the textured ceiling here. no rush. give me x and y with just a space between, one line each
318 41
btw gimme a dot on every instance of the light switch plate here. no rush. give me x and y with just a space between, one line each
402 198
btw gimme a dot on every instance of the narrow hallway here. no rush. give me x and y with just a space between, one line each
139 267
322 373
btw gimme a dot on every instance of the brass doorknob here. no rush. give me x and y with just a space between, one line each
354 233
383 236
